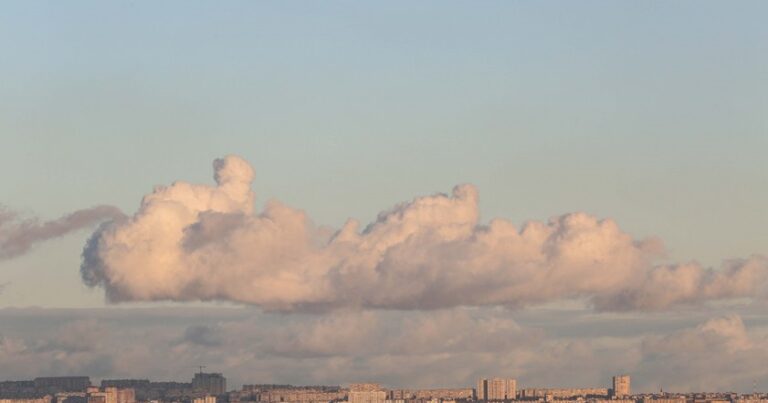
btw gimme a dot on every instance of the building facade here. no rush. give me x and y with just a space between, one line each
45 399
204 399
430 394
563 393
496 389
366 393
211 383
621 387
63 383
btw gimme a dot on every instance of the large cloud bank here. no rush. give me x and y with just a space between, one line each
17 236
198 242
449 348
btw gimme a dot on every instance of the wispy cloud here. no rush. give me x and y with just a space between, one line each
18 235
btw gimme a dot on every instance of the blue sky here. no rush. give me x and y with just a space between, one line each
651 113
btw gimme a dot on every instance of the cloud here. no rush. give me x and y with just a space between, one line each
75 347
443 348
663 286
17 236
719 354
355 333
77 336
450 348
198 242
202 335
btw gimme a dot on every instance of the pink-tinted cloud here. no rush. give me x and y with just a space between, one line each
199 242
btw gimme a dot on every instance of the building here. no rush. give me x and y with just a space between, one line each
481 391
62 383
665 399
109 394
288 394
366 393
95 395
563 393
212 383
126 395
71 397
496 389
205 399
502 389
18 389
431 394
125 383
44 399
621 386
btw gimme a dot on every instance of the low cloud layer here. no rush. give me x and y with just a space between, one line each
447 348
719 354
18 236
198 242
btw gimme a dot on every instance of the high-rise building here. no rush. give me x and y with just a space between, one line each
366 393
481 393
621 386
511 389
496 389
212 383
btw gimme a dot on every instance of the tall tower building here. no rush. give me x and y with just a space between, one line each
496 389
481 393
212 384
511 389
621 386
366 393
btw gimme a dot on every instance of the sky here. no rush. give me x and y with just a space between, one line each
631 134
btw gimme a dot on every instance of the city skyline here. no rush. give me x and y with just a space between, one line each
418 194
209 388
212 384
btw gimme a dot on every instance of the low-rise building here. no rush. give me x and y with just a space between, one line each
204 399
562 393
44 399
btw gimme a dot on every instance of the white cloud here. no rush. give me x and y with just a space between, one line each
197 242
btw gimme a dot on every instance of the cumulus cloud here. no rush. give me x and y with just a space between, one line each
199 242
18 235
719 354
667 285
